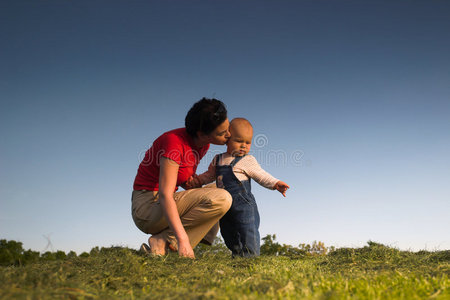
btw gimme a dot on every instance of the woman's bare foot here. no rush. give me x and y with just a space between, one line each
158 245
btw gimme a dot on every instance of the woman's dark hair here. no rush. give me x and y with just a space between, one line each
205 115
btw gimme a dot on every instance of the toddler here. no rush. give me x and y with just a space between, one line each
232 171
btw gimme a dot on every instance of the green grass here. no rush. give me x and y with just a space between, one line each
372 272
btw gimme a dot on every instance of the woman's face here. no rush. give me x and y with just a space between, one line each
221 134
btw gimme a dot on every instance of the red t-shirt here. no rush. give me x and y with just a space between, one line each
176 145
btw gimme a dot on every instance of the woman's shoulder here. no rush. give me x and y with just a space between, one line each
174 135
179 139
168 141
178 132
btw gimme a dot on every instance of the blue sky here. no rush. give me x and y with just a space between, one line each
350 102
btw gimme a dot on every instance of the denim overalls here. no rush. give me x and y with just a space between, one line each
239 226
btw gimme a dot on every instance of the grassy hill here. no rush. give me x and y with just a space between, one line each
371 272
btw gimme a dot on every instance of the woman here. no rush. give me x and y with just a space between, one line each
180 220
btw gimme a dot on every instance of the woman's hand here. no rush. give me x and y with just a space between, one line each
185 249
192 183
282 187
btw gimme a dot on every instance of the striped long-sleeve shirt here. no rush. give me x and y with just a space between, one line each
248 167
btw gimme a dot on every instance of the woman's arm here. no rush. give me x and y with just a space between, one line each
167 182
209 175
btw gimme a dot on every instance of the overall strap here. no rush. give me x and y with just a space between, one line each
216 163
236 160
232 164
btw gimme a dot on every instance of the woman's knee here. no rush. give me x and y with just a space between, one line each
221 199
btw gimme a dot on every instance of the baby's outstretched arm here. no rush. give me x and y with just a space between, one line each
282 187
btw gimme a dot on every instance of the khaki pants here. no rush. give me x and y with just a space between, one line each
199 209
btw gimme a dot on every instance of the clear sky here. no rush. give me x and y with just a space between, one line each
350 103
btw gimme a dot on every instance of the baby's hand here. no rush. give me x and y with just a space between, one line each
282 187
192 183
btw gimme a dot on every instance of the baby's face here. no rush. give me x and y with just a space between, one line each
241 139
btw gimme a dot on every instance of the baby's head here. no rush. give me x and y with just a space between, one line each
241 137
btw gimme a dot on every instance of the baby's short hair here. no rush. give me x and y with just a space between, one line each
241 121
